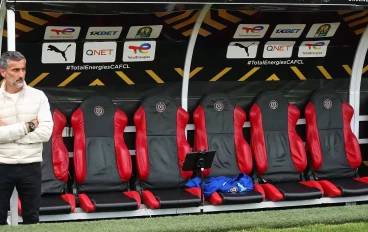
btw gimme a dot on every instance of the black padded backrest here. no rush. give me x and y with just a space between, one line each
99 117
272 108
158 152
161 113
328 109
50 183
98 114
219 124
219 113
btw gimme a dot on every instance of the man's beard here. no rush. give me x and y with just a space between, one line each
17 84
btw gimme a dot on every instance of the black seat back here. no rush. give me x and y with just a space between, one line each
161 145
101 159
278 151
334 149
219 126
55 158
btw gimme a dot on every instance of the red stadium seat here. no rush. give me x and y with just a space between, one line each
161 148
102 161
334 149
279 152
55 171
219 126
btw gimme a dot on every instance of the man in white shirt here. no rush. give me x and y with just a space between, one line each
25 123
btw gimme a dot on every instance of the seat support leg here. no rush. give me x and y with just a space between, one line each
350 203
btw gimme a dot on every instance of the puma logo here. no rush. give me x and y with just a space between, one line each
55 49
244 47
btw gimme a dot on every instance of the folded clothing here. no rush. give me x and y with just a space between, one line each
240 183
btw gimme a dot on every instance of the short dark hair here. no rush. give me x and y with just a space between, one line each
10 55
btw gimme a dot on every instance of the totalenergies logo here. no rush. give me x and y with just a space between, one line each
255 29
315 46
143 48
65 31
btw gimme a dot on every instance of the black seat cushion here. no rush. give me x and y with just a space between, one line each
350 187
54 204
108 201
293 191
240 198
296 191
171 198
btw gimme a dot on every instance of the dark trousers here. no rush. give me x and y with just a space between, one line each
27 179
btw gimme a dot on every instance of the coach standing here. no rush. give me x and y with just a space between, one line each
25 123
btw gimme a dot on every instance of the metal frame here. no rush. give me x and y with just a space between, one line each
143 211
11 47
189 56
2 20
189 2
355 80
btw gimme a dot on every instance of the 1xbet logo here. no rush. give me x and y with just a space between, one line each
103 32
287 30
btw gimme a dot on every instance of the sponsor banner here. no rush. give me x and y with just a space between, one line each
144 32
99 52
278 49
61 33
239 50
97 67
104 32
135 51
288 31
58 53
323 30
274 62
252 31
313 48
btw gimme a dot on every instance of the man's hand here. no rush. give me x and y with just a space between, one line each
2 123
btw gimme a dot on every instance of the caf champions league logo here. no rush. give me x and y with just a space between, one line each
323 30
144 32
